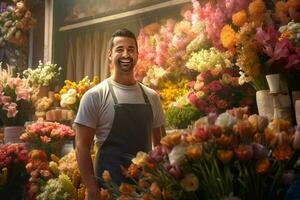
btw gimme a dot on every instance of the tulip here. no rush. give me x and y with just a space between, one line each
225 156
190 182
259 151
244 152
174 170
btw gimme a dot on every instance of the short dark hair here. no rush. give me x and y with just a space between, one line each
122 33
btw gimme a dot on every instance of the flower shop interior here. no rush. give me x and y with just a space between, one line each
227 73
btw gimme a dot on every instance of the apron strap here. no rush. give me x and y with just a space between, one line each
144 94
112 92
115 97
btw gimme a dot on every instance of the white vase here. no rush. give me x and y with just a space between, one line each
273 82
264 103
12 134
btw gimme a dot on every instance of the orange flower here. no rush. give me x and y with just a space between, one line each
104 194
106 176
262 166
239 18
244 128
132 171
194 151
123 197
126 188
171 139
143 183
282 152
225 156
146 197
228 37
155 190
227 141
257 7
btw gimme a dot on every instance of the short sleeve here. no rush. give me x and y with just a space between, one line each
159 117
87 114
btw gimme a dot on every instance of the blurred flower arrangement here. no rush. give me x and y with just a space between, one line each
15 98
47 132
45 74
13 158
217 90
48 136
15 22
71 93
247 155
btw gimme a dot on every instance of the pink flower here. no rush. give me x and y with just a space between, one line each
174 170
5 99
22 93
193 98
201 104
210 109
201 132
11 109
215 86
213 98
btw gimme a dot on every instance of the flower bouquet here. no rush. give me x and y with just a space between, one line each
225 156
13 175
72 92
47 136
15 99
45 74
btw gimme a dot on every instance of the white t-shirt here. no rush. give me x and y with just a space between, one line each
96 108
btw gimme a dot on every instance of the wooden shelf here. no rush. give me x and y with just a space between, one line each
123 15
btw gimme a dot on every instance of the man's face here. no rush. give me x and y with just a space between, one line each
123 54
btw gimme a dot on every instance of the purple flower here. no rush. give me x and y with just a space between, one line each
259 151
174 170
157 154
288 177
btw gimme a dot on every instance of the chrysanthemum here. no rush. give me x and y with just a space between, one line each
228 37
239 18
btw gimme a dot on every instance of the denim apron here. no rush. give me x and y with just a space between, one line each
131 132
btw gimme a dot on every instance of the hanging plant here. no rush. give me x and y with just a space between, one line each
15 23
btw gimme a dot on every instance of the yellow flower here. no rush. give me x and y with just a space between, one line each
239 18
228 37
140 159
171 139
190 182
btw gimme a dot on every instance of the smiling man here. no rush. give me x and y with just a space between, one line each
120 114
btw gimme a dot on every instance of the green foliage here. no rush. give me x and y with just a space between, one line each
181 117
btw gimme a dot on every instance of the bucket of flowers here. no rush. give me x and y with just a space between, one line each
232 155
16 106
13 175
47 136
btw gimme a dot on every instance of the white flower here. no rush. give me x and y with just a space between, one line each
72 92
70 100
177 155
225 120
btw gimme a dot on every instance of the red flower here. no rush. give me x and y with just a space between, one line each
215 86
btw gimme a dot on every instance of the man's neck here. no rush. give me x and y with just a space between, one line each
124 79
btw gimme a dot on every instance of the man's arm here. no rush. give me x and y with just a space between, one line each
158 133
84 139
